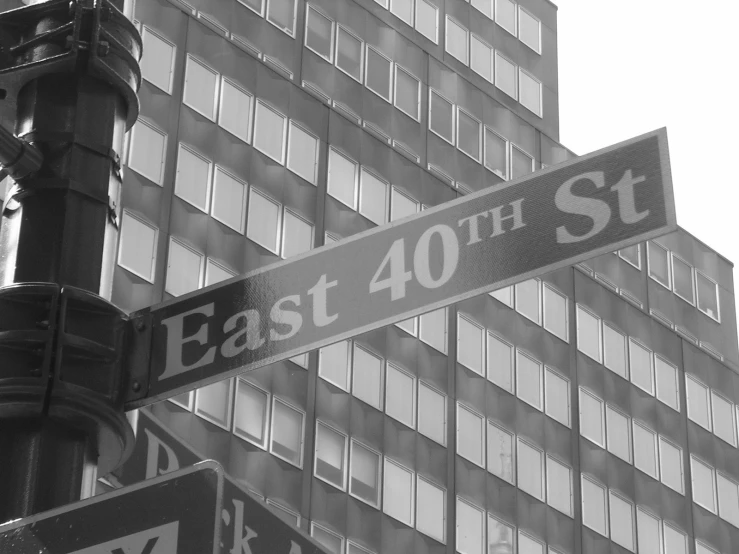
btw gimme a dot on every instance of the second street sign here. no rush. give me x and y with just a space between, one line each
588 206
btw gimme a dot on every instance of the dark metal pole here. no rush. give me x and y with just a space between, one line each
72 70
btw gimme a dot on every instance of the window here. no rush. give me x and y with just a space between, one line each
269 131
529 30
401 205
668 390
530 89
521 163
403 9
281 13
649 533
468 134
529 380
671 465
699 407
527 300
701 548
430 509
456 40
559 486
470 528
235 112
470 345
431 413
433 329
530 469
500 536
255 5
251 413
658 263
642 372
591 418
484 6
707 296
302 153
427 20
365 474
645 449
333 542
397 492
500 452
505 75
379 73
704 486
724 424
330 455
470 435
287 432
505 15
367 377
138 246
157 61
192 182
504 295
407 93
229 200
618 434
349 53
481 57
297 235
614 346
594 510
632 255
342 178
319 33
184 269
622 521
728 499
201 87
682 280
263 221
213 402
441 116
555 312
588 333
215 272
148 151
333 364
557 396
496 157
528 544
352 548
400 401
675 541
500 362
373 193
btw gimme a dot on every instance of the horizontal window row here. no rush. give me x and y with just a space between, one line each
458 127
334 542
627 357
493 66
711 410
406 496
539 302
280 13
421 14
384 384
515 460
715 491
513 18
672 272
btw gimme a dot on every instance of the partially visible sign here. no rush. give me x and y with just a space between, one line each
177 513
249 525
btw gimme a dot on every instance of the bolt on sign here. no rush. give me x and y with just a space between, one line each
567 213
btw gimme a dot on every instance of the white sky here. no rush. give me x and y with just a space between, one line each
627 67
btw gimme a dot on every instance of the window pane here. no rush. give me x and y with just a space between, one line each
456 40
378 73
398 492
485 6
433 329
427 20
591 417
235 112
707 295
399 398
213 402
367 377
667 387
287 433
594 506
500 362
263 221
269 132
251 413
373 198
201 83
530 93
229 200
282 14
698 402
148 146
614 346
431 510
619 434
528 379
481 57
559 486
215 273
441 116
349 54
675 541
555 312
192 182
588 333
504 295
470 435
333 364
645 449
659 264
297 236
255 5
500 536
728 499
468 135
521 163
431 413
157 58
682 275
529 545
622 521
342 178
470 346
496 159
723 418
302 154
557 397
365 480
530 470
407 92
470 528
529 30
330 455
505 15
648 528
500 452
631 254
527 299
671 465
704 488
401 205
640 360
331 541
319 32
138 246
506 75
184 269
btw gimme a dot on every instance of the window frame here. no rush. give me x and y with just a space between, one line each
303 128
430 483
531 358
324 529
483 434
433 91
201 269
518 20
583 390
652 244
513 32
160 36
478 159
550 370
483 346
242 229
542 466
389 98
288 31
581 307
629 431
343 28
290 406
655 441
664 440
540 111
162 164
562 464
412 511
640 344
285 119
506 148
614 494
517 301
250 115
374 174
380 480
435 40
694 458
449 19
483 527
278 227
345 458
606 511
227 425
266 425
638 254
446 330
657 380
433 389
546 286
283 233
308 7
673 257
717 318
713 395
413 12
141 220
501 521
216 93
209 179
484 44
498 55
349 159
514 447
396 367
370 352
417 116
512 361
709 404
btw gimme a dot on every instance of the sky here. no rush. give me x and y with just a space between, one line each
627 67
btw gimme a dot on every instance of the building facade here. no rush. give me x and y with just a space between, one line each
592 410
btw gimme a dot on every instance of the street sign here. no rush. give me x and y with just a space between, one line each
567 213
249 525
176 513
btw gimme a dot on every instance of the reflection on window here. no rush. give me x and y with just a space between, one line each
148 151
379 73
138 246
319 33
287 432
500 536
349 53
500 452
333 542
365 474
500 362
330 455
529 545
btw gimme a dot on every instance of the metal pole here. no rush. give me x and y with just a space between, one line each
72 69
